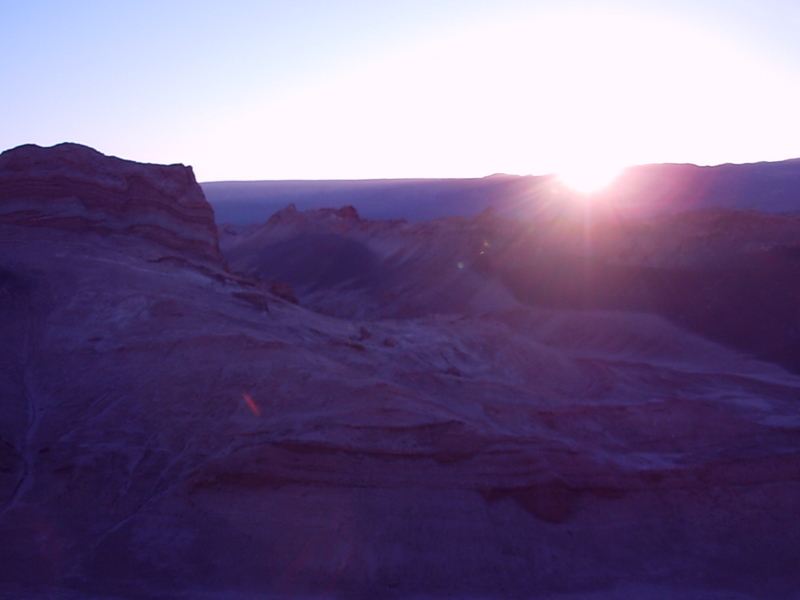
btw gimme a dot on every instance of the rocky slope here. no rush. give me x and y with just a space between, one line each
347 266
170 430
728 274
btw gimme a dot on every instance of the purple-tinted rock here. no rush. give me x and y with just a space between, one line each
76 188
163 434
283 290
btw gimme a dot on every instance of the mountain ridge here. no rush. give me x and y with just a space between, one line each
639 190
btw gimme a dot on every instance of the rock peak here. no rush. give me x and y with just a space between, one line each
348 212
75 187
290 214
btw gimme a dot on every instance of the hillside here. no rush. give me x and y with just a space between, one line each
427 422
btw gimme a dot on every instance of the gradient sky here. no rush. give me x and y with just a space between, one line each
312 89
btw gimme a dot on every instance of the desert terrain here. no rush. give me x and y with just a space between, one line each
574 403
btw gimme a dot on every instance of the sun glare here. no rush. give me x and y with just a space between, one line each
566 91
588 178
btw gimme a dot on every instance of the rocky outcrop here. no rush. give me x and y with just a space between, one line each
283 290
732 275
167 434
348 266
73 187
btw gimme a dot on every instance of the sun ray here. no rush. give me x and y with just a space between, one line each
588 177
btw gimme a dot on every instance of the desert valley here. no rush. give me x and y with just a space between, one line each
505 392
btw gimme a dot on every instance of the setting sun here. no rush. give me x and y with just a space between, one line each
521 95
587 178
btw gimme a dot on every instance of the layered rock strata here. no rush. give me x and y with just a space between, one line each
165 434
75 188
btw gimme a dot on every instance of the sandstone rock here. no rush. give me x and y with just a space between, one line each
343 265
283 290
76 188
733 275
160 437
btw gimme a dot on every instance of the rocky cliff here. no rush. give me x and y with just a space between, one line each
75 188
174 431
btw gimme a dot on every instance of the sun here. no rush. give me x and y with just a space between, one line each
588 178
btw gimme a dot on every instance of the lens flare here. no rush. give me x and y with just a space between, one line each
251 404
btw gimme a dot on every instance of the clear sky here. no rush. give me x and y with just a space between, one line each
313 89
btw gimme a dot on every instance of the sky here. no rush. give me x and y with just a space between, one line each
358 89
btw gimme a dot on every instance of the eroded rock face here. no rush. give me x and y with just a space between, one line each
165 433
732 275
347 266
76 188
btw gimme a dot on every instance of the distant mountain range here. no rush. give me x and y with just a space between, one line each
641 190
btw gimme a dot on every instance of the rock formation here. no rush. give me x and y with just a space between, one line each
76 188
346 266
163 433
729 274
